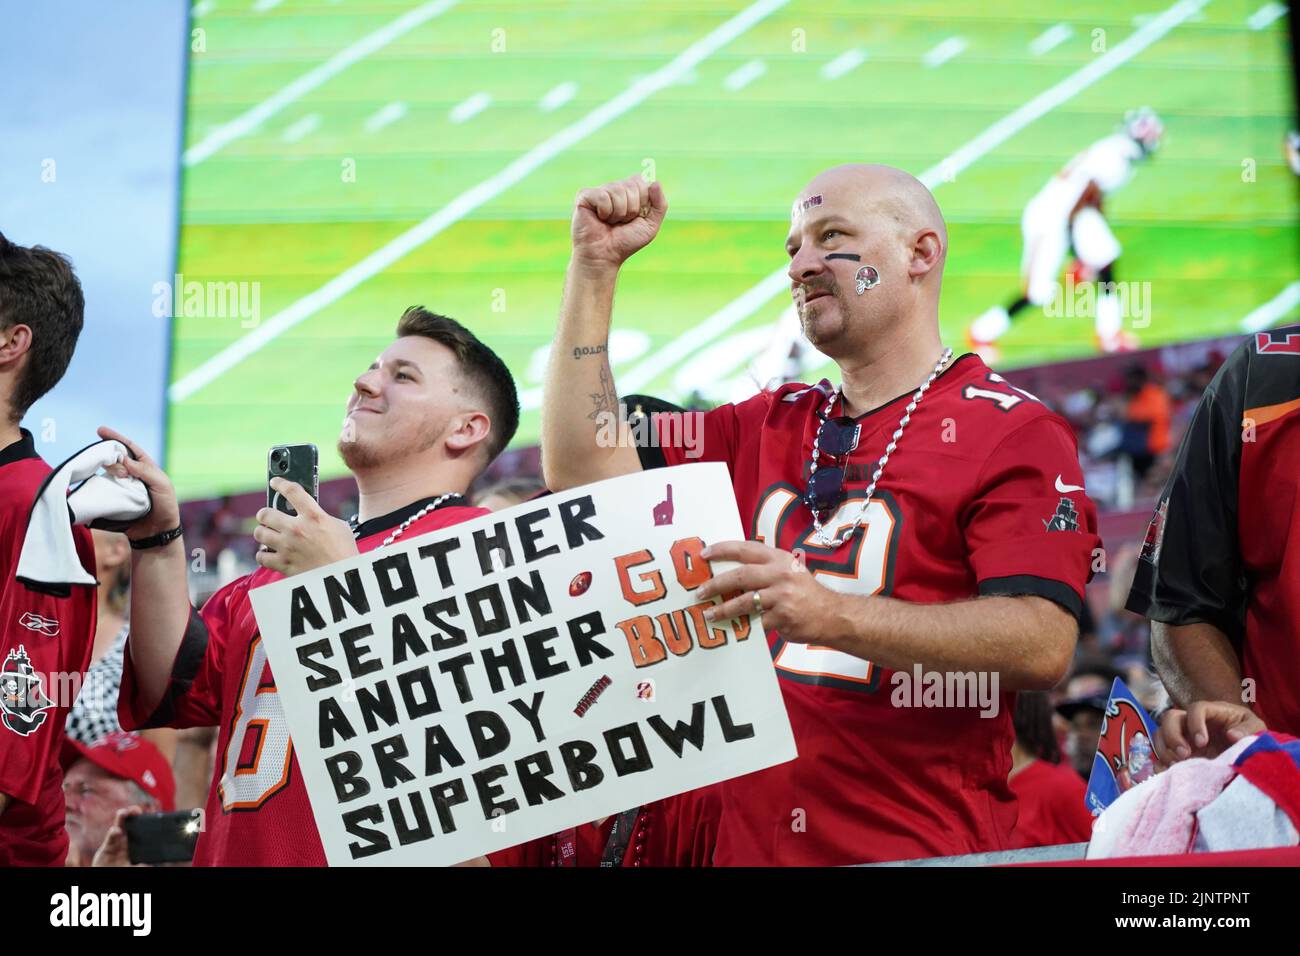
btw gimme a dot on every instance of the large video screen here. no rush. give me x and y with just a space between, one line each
344 161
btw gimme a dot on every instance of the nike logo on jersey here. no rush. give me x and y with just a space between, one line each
1062 487
45 625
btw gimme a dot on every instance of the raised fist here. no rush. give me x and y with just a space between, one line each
613 221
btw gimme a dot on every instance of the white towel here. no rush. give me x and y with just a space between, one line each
49 560
1243 818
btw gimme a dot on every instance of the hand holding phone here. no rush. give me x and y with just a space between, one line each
163 837
293 542
296 463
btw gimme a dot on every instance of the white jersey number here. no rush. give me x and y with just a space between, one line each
256 762
866 571
1003 400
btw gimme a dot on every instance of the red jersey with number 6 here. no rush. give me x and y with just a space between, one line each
983 496
258 813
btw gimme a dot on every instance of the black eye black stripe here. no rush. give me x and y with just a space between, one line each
845 255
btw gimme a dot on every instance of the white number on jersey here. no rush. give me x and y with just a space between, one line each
865 572
1004 400
256 762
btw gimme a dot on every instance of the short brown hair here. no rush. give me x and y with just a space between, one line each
39 289
482 367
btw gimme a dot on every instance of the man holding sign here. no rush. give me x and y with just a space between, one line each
424 420
923 524
517 676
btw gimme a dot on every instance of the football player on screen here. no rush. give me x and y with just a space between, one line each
1067 214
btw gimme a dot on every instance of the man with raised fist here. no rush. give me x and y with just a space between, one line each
943 530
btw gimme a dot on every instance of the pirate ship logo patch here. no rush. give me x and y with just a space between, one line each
1065 518
23 704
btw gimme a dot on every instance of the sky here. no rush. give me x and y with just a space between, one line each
90 128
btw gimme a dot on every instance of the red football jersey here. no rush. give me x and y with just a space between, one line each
983 496
1050 798
257 813
45 646
678 831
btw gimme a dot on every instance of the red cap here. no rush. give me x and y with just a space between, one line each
130 757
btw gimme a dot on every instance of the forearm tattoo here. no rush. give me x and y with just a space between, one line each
605 400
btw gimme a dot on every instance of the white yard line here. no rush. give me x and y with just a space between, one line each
470 107
202 8
1265 15
262 6
1272 310
757 296
742 76
846 61
944 52
386 116
1050 39
558 96
470 200
1071 86
301 129
245 123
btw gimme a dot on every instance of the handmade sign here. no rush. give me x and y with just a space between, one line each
538 668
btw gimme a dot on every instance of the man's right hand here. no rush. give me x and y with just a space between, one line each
613 221
1205 729
165 513
116 850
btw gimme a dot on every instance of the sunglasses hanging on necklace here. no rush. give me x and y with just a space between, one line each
836 438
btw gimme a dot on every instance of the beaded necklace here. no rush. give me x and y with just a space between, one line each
880 465
401 529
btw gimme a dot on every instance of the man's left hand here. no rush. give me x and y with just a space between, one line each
292 544
792 600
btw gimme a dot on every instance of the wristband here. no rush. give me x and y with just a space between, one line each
157 540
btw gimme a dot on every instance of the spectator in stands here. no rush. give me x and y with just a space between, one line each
507 493
1084 703
94 715
1083 715
1147 416
120 772
42 632
1050 794
1219 576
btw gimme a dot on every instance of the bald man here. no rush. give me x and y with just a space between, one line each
919 602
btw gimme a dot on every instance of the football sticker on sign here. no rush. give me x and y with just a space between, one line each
483 685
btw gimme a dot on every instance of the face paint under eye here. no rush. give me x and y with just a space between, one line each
843 255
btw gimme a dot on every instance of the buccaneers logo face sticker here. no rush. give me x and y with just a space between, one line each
867 278
23 704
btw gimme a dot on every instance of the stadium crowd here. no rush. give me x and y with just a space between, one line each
148 660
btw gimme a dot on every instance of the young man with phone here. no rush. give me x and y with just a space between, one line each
43 635
424 420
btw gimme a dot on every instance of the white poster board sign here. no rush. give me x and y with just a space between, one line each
500 680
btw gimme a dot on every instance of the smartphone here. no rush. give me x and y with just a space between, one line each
296 463
163 837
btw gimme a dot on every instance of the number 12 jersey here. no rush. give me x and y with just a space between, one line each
983 496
